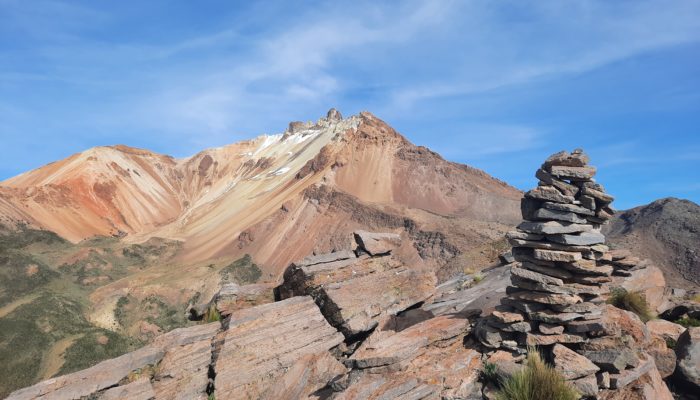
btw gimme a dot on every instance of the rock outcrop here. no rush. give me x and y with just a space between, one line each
358 291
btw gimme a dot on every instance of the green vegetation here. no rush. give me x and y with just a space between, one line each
45 282
489 373
670 343
120 310
688 322
631 301
212 314
536 381
478 278
21 274
242 271
159 312
36 326
96 346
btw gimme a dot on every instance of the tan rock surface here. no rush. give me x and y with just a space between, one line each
263 342
355 294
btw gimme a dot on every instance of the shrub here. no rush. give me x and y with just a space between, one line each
688 322
536 381
478 278
631 301
489 373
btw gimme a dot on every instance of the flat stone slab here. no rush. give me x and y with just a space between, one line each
549 193
628 376
263 342
572 365
555 255
535 276
553 227
569 208
533 339
548 214
547 298
573 173
582 239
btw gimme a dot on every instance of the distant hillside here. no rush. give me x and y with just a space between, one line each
666 231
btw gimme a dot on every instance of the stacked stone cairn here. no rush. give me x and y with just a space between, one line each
561 269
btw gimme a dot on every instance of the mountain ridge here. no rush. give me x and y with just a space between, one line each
213 199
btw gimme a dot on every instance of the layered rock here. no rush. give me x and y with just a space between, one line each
262 343
355 290
560 280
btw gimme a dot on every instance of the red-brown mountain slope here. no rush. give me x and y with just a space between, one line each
276 197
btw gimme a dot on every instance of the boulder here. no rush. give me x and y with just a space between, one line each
356 294
648 281
572 365
377 243
262 343
665 329
688 354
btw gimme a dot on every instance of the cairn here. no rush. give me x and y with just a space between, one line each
561 269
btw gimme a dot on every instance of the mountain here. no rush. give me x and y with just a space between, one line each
667 231
104 250
277 197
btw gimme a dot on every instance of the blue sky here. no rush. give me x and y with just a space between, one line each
498 85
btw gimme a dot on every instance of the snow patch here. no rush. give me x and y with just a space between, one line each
268 140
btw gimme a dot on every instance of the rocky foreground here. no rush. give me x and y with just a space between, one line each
362 324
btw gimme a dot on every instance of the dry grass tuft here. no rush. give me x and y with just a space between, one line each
631 301
536 381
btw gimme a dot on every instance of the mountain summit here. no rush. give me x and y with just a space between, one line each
278 197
